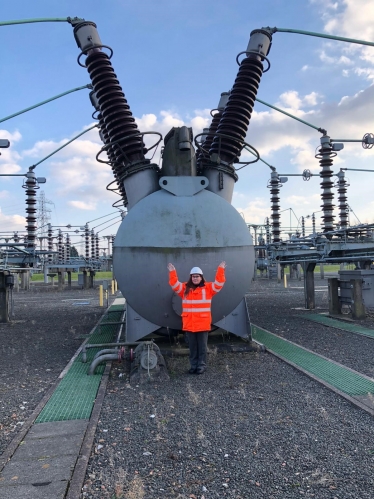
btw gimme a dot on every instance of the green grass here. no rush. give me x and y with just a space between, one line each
326 268
74 276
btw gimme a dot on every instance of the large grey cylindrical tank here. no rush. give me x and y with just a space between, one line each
186 225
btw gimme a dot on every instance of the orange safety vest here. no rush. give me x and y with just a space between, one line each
196 306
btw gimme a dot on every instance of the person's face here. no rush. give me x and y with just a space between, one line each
196 278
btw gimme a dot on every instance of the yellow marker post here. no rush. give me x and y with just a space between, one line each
112 287
101 297
115 285
285 280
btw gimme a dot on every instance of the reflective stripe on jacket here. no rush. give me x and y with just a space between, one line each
196 306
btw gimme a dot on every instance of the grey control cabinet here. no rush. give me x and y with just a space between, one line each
367 277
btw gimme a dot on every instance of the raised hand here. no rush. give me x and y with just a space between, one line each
171 266
222 264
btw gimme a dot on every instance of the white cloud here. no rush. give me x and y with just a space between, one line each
12 222
254 211
81 205
9 157
349 19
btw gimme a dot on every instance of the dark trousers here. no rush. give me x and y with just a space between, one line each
198 344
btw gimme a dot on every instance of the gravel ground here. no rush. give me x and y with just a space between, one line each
279 311
36 347
250 427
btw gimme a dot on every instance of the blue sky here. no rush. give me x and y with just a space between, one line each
173 59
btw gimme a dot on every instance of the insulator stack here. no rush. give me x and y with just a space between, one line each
313 223
274 186
16 237
97 247
67 248
50 243
207 143
112 160
123 140
261 242
115 110
342 199
60 246
106 140
87 241
31 186
237 114
113 237
303 226
92 244
325 155
268 234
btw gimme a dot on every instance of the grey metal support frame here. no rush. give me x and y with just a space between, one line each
358 306
237 322
4 299
334 302
309 294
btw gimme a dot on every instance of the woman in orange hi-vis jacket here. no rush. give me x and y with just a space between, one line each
196 297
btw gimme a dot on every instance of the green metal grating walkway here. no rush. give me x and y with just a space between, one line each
352 385
75 395
345 326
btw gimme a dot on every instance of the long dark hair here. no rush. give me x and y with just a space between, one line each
190 285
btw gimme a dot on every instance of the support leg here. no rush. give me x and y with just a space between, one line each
334 303
358 306
309 294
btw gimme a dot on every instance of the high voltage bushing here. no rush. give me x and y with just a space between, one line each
87 241
67 248
50 243
342 199
97 247
113 105
303 226
122 136
202 156
60 246
314 223
267 228
31 186
109 150
274 186
325 155
92 244
235 118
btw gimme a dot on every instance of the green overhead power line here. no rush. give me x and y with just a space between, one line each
89 86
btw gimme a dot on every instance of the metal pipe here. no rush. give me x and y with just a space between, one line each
66 144
40 20
99 360
44 102
319 35
319 129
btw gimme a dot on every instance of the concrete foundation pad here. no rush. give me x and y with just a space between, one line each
42 448
55 490
57 428
44 470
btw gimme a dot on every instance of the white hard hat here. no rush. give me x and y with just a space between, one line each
196 270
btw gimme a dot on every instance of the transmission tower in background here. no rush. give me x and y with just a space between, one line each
43 218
